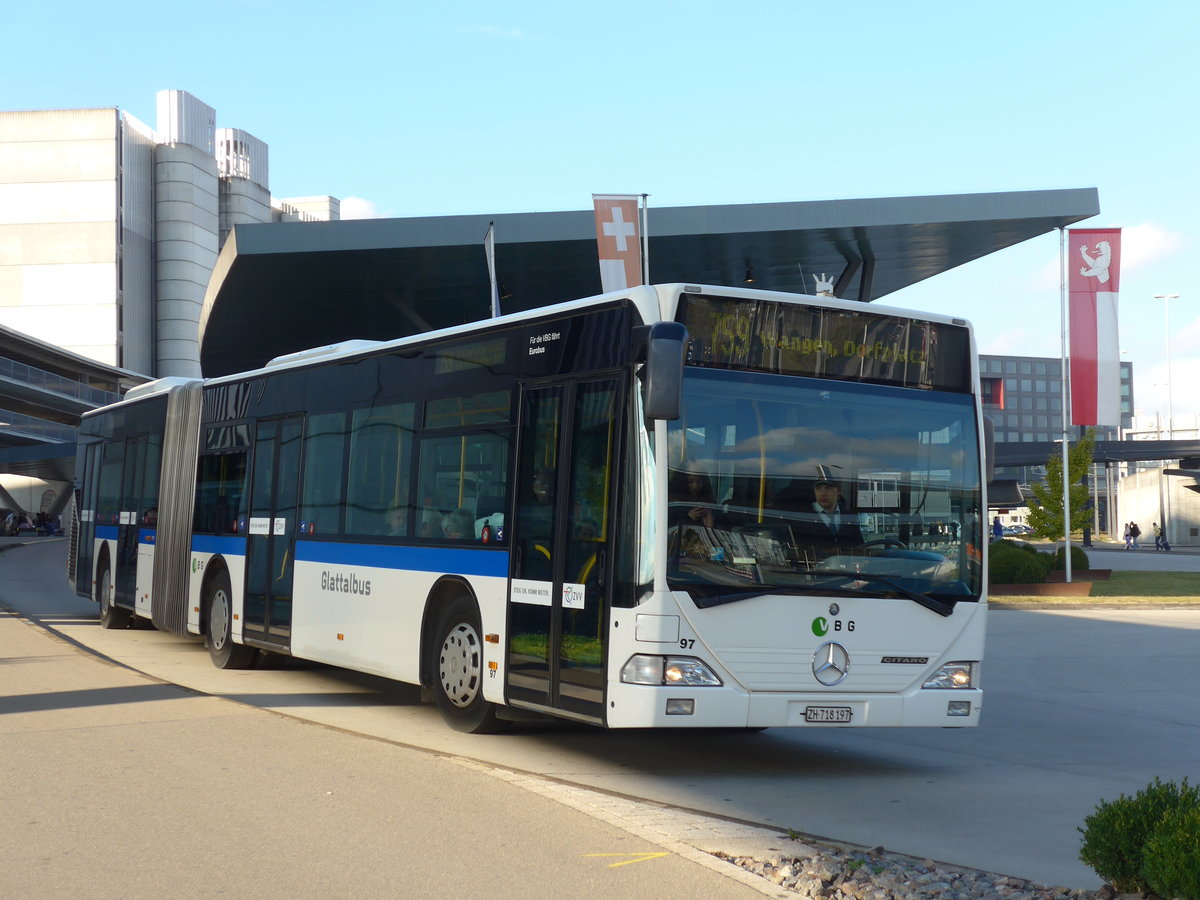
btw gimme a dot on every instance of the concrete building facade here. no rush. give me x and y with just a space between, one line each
109 229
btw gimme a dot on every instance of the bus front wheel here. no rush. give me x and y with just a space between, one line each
110 616
457 670
224 652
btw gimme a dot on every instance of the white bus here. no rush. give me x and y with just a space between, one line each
675 506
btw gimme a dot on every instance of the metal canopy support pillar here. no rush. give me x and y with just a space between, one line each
848 273
867 280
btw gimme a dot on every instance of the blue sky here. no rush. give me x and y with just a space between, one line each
472 107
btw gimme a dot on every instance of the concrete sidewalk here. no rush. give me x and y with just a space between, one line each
114 784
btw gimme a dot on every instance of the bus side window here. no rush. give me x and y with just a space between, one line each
322 491
377 496
462 477
220 487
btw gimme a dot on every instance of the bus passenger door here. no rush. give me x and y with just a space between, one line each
271 541
560 587
129 522
86 504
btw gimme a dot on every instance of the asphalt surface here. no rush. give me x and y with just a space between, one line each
1079 706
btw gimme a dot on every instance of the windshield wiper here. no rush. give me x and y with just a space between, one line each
937 606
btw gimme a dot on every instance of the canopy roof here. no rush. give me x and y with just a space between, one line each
282 287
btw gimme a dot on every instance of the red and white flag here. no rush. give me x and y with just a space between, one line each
1094 266
619 239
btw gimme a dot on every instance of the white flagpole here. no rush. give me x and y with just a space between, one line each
489 248
645 240
1066 401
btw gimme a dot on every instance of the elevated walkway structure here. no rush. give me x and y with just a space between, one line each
1035 453
43 392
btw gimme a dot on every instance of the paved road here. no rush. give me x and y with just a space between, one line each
1080 706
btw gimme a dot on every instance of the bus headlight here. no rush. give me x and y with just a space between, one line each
952 676
642 668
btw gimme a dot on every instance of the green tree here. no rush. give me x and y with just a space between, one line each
1046 504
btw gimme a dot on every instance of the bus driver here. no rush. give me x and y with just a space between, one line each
824 526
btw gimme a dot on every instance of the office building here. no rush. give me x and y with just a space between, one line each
109 229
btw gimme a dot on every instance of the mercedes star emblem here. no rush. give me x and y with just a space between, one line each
830 663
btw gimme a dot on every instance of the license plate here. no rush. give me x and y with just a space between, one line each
827 714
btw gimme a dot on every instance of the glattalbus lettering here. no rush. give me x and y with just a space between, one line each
338 583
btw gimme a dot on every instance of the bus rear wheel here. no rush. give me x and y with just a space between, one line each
218 604
110 616
457 670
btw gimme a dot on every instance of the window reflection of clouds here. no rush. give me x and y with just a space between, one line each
788 430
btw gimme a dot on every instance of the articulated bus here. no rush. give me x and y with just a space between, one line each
674 506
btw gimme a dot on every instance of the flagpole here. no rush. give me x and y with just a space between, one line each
1066 402
645 240
489 249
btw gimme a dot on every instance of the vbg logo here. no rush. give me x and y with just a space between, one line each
820 626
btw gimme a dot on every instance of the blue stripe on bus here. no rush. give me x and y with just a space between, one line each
226 545
461 561
112 533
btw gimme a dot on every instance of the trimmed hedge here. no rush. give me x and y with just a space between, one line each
1147 842
1015 562
1079 559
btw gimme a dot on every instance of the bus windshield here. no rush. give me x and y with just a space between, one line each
801 485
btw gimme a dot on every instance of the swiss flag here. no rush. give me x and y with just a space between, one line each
619 240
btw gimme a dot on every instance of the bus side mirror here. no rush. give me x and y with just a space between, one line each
989 449
666 347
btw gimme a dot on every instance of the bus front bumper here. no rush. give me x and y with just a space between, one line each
644 706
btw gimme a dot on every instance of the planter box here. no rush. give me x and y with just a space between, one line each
1048 589
1081 575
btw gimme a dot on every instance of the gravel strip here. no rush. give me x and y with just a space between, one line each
831 873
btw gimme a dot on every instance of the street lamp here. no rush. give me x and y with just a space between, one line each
1167 319
1162 512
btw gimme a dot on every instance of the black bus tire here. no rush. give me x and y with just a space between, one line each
218 606
111 616
457 670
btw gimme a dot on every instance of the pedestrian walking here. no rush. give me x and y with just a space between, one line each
1128 537
1135 533
1158 535
997 529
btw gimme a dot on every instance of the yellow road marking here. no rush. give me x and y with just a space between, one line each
637 857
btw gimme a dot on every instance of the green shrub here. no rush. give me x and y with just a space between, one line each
1172 863
1022 546
1045 560
1079 559
1116 835
1010 563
